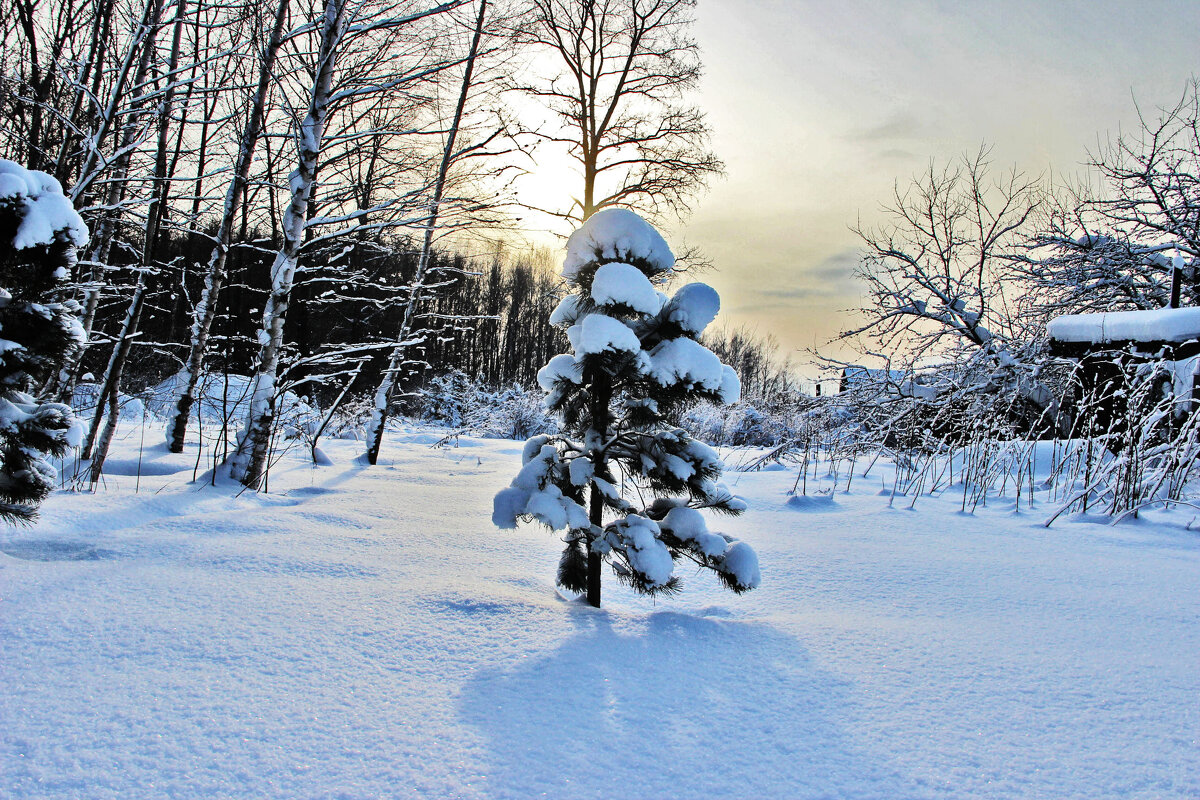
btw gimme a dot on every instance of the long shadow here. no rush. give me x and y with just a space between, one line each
673 706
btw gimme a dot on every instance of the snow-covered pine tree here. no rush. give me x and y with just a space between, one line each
636 365
39 232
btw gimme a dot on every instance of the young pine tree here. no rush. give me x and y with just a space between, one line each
636 365
39 232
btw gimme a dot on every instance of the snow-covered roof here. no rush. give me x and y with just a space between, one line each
1157 325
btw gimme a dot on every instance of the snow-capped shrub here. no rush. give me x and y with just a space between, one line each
456 401
39 232
740 425
635 367
224 397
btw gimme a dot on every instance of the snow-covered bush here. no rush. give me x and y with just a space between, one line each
39 233
222 398
457 401
742 424
635 367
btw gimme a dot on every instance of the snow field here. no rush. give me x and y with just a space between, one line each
366 632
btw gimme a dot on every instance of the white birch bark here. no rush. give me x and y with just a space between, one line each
249 461
160 187
214 278
387 383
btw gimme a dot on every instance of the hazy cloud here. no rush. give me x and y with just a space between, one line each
902 125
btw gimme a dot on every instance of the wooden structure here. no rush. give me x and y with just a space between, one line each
1112 348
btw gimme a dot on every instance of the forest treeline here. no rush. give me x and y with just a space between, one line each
485 316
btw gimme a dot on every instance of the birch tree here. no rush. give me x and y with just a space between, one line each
450 154
160 189
341 23
206 309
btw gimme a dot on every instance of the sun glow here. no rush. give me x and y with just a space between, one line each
547 190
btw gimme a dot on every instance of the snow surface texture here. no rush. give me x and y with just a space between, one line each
616 234
363 633
47 211
1158 325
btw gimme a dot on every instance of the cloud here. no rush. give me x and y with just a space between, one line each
900 125
838 268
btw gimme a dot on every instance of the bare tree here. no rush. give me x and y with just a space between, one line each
1155 176
935 272
1110 248
1078 262
940 287
450 154
626 66
206 310
160 190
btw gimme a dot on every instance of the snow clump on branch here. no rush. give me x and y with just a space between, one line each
47 214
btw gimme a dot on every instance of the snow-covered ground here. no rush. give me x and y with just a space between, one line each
364 632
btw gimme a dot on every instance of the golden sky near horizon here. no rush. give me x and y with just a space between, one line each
818 109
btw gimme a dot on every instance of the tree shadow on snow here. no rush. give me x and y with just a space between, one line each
671 705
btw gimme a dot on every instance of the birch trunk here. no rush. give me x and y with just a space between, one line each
214 279
160 188
387 384
249 461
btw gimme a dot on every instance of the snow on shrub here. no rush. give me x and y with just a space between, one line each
39 232
464 404
224 397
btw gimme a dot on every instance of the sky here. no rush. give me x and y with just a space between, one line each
818 109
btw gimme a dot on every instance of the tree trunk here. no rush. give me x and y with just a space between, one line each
594 562
249 462
116 365
387 385
206 309
160 187
601 396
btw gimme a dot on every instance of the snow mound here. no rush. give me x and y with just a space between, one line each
626 285
561 367
616 234
597 333
686 361
694 306
566 312
46 211
809 502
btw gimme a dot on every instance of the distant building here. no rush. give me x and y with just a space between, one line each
1111 347
855 375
